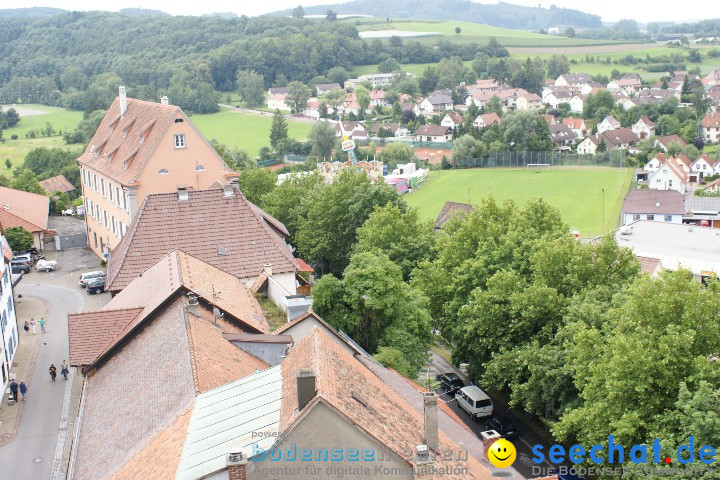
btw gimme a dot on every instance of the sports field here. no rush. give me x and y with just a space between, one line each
575 191
249 132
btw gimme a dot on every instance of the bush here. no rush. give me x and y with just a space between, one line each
19 239
13 137
393 358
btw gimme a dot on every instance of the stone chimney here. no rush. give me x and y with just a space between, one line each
488 438
431 421
424 463
229 190
183 194
123 101
236 465
165 100
305 387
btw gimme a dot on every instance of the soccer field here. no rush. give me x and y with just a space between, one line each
575 191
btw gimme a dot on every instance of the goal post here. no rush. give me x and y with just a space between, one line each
537 165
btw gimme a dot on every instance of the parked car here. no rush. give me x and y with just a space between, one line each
503 426
96 285
475 402
24 256
450 383
47 265
87 276
20 265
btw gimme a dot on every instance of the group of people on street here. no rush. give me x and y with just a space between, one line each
64 371
32 324
14 388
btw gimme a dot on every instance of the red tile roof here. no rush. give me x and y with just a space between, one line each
647 264
204 225
433 130
489 118
23 209
666 140
574 123
711 120
91 332
385 416
449 210
57 184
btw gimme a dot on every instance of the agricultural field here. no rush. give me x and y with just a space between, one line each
576 192
472 33
35 117
248 131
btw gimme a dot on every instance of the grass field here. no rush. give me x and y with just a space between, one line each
249 132
16 150
576 192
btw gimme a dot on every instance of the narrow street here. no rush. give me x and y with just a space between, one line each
30 456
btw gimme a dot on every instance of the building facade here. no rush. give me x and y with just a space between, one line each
9 336
141 148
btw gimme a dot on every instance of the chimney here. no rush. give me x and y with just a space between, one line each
229 190
267 268
657 204
165 100
193 305
236 464
305 387
123 101
488 438
424 464
183 194
431 421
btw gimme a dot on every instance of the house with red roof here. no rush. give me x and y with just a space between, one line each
27 210
711 127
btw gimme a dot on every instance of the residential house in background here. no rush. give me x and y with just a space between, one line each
573 80
487 119
449 210
27 210
654 205
277 101
218 226
57 184
554 96
323 88
528 101
592 87
452 120
141 148
712 78
608 123
701 168
577 103
669 176
562 136
312 109
433 133
629 83
352 130
711 127
620 138
375 79
9 333
377 99
277 91
395 129
664 141
577 125
436 102
644 128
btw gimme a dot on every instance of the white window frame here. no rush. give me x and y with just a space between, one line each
179 140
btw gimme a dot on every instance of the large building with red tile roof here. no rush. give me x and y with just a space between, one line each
141 148
27 210
218 226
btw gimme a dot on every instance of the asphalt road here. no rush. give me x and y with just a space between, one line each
30 455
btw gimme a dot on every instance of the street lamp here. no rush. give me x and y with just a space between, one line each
603 210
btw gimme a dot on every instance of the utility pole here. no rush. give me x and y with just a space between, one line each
603 211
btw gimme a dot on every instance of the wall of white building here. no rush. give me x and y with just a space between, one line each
9 335
633 217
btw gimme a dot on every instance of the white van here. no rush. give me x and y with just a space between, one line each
87 276
475 402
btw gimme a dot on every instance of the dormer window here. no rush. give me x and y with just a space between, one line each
163 171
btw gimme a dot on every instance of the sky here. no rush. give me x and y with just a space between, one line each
609 10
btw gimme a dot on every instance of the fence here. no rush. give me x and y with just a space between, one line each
508 159
65 242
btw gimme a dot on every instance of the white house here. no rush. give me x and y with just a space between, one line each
396 129
435 102
528 101
486 119
644 128
433 133
576 80
277 102
668 177
655 162
577 125
452 120
554 96
701 168
711 127
351 129
577 103
608 123
377 99
654 205
312 109
9 336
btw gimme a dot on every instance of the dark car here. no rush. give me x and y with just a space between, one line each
96 285
503 426
20 265
450 383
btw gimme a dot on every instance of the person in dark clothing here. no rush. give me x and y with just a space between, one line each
14 390
23 389
53 372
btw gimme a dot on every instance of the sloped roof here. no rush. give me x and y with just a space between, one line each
224 231
57 184
488 118
684 159
619 136
91 332
647 264
385 416
560 132
576 78
448 210
647 121
711 120
455 117
132 137
574 123
23 209
612 121
663 202
666 140
432 130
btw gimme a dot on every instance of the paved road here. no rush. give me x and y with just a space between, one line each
30 455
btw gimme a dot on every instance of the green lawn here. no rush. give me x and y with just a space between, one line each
576 192
16 150
247 131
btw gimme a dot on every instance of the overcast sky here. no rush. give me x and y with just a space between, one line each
609 10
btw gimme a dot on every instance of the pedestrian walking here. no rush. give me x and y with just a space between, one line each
64 369
53 371
27 327
23 389
32 324
42 324
14 390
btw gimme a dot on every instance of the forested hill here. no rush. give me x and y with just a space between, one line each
77 59
500 15
33 12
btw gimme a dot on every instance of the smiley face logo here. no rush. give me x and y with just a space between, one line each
502 453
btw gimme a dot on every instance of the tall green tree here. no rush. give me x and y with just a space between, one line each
322 139
298 96
363 99
251 87
527 131
19 239
256 182
278 129
26 181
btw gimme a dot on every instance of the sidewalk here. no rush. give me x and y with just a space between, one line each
23 364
